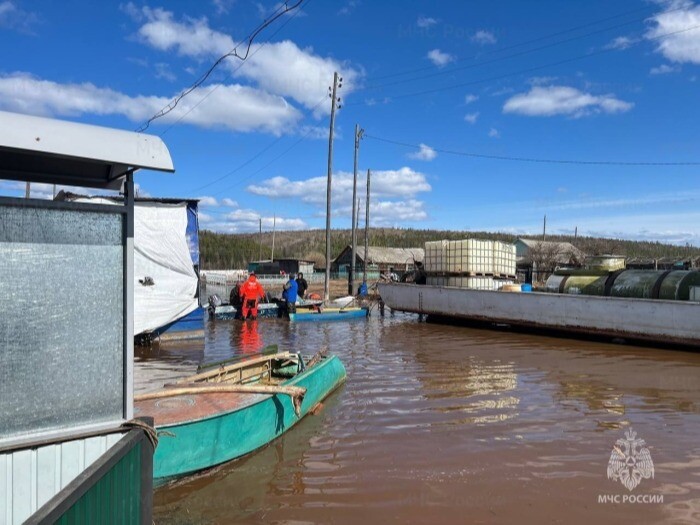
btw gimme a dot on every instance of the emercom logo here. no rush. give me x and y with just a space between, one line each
630 461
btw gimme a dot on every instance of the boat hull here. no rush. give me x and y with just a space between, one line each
190 326
329 315
188 447
226 311
638 319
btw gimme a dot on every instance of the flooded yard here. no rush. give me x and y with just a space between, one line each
447 424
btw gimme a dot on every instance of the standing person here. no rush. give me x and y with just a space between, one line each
289 294
234 298
251 293
302 286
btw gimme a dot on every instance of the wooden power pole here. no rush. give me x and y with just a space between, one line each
364 266
351 282
335 103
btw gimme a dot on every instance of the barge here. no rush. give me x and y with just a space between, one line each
652 320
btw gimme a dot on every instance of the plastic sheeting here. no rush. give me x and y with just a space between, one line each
161 256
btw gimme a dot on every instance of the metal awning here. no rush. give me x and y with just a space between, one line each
38 149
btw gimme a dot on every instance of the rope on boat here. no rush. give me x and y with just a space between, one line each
296 393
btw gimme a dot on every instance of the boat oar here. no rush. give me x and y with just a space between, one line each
268 350
297 393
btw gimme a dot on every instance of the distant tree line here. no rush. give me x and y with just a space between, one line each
222 250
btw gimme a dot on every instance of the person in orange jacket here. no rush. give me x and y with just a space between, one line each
251 293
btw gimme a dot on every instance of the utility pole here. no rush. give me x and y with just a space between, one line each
364 266
335 102
274 223
575 233
351 283
544 228
260 241
27 190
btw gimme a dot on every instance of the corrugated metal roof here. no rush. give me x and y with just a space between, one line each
381 255
563 246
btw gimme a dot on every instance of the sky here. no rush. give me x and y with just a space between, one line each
464 106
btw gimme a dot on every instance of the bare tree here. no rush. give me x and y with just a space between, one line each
545 257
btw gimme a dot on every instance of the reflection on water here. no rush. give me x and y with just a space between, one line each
443 424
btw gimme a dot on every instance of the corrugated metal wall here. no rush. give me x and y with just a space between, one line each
116 498
30 477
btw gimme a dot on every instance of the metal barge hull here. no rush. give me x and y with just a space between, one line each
660 321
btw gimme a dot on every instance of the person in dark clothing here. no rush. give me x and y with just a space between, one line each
302 286
235 297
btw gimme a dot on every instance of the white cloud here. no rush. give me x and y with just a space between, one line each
621 42
229 202
192 37
403 182
208 201
349 7
484 37
46 191
247 220
317 132
563 100
6 8
627 227
424 22
285 69
681 46
424 152
204 217
656 199
663 69
392 199
468 99
539 81
163 71
471 117
494 133
394 213
281 68
12 17
222 6
233 107
439 58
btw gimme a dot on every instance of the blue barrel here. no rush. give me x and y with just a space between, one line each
525 287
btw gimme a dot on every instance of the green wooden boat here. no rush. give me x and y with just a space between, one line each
230 411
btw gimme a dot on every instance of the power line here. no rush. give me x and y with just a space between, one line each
535 159
527 70
280 11
451 70
234 71
257 155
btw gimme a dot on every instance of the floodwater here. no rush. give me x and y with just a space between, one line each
446 424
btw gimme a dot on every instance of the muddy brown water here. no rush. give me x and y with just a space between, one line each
445 424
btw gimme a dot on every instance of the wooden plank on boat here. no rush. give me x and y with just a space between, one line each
226 370
295 392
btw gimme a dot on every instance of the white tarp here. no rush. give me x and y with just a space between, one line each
161 253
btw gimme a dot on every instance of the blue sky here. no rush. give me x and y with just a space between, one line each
552 80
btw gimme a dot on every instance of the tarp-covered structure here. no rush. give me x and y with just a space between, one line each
166 259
